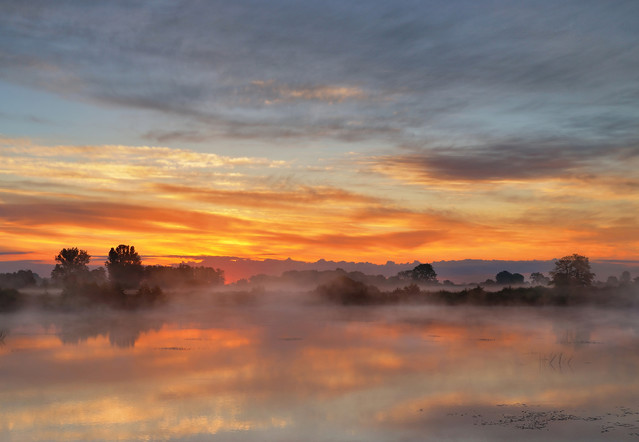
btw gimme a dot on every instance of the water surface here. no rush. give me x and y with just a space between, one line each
302 371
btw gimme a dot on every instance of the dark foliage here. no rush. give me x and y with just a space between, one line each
10 300
183 275
538 278
107 295
572 270
346 291
506 296
125 267
18 280
507 278
423 273
71 267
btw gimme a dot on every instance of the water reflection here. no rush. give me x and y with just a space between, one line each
274 372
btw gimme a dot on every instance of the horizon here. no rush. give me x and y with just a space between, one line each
467 271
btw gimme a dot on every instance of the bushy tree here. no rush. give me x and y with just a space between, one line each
124 266
506 278
612 281
72 266
422 273
538 278
572 270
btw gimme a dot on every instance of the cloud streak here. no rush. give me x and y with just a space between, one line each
474 69
518 161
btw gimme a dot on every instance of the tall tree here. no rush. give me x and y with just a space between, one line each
572 270
124 266
71 266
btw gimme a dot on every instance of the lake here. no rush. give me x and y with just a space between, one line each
285 370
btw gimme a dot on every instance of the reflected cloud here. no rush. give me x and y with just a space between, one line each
218 369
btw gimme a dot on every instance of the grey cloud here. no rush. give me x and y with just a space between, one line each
13 252
422 65
503 161
170 136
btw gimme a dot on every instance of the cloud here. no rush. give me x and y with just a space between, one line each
518 161
98 170
302 196
430 69
13 252
32 213
275 93
512 201
132 155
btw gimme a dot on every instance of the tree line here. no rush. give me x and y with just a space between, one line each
570 271
124 270
571 281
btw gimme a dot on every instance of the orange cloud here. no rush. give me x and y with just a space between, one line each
184 203
268 199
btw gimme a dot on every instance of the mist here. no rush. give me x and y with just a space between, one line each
286 358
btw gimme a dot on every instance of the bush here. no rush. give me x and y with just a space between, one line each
344 290
10 300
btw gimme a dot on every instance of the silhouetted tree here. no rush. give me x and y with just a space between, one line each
422 273
71 267
506 278
18 280
538 278
572 270
98 275
124 266
346 291
612 281
625 278
183 274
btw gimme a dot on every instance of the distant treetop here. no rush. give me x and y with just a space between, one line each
422 273
572 270
124 266
71 265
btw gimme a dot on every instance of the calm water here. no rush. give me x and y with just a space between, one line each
285 372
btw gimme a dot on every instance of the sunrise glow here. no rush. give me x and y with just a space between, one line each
269 146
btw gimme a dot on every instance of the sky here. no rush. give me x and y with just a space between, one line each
359 131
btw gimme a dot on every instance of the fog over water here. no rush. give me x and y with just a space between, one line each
287 366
